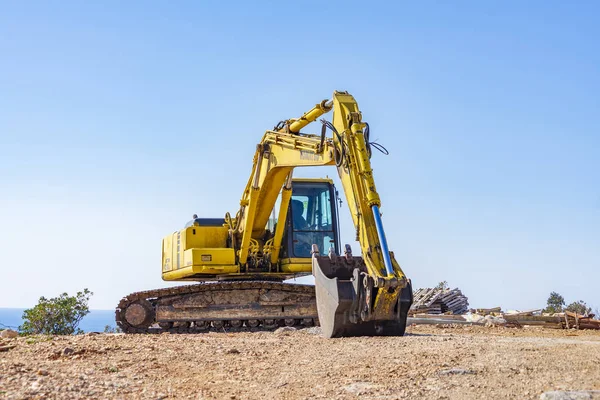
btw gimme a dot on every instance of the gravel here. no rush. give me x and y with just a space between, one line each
430 363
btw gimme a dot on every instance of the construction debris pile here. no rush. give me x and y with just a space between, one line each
563 320
439 301
495 316
443 306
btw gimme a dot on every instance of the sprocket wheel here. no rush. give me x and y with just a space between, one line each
140 314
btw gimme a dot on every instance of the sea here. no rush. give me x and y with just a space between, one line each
95 321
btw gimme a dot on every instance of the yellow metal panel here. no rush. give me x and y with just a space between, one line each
177 253
176 244
178 274
170 260
205 261
208 256
204 236
286 195
215 269
296 265
167 253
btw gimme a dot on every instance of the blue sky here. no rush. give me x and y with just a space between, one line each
118 121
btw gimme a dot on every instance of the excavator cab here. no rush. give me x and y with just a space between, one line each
312 218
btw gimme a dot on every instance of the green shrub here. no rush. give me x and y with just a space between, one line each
57 316
111 329
555 303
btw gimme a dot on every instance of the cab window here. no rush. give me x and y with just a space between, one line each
312 219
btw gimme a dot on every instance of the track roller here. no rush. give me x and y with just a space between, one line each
218 324
236 323
252 323
201 325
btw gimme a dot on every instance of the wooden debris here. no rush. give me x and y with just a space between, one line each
486 311
439 301
449 306
566 320
578 321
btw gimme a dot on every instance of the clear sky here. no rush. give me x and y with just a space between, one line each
119 120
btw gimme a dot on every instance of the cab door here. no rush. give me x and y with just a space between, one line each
312 219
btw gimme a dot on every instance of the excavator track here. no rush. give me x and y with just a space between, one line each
230 305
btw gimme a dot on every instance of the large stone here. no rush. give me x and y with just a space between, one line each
490 320
8 334
571 395
67 351
315 330
284 330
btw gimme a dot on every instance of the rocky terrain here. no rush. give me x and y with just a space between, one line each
430 362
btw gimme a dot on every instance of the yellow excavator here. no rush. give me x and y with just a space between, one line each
242 261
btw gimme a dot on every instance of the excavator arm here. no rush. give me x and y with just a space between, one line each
369 294
355 295
356 174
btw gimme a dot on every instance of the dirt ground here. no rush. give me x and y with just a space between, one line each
428 363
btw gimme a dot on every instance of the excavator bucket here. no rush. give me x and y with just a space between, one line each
335 296
341 299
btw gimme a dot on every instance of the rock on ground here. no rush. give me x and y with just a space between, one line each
8 334
578 395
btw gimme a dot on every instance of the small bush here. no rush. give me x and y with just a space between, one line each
111 329
57 316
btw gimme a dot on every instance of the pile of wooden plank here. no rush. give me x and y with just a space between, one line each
494 316
439 301
564 320
532 318
574 320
